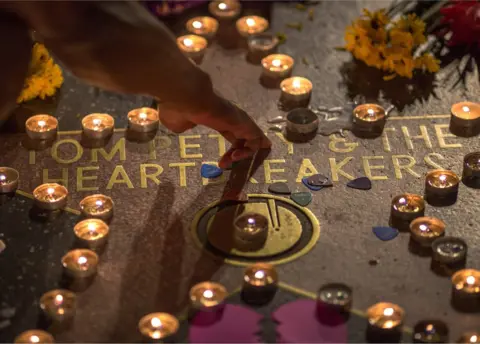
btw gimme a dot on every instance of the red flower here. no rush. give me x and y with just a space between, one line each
463 19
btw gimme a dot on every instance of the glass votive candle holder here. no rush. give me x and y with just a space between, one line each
385 322
302 125
34 336
261 45
50 196
334 297
80 263
368 120
466 290
465 119
143 120
92 234
228 9
260 282
98 126
202 26
404 209
449 254
250 230
58 306
425 230
158 327
193 46
469 338
277 66
41 127
97 206
430 331
8 180
296 92
441 187
471 170
251 25
207 302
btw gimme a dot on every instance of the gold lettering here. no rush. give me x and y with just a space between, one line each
218 180
408 167
119 171
81 178
152 176
184 145
441 137
165 142
269 170
119 147
306 170
423 135
288 143
182 170
253 180
221 144
31 157
63 180
348 146
337 168
77 156
368 168
385 139
428 160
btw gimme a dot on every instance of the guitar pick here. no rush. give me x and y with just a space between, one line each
385 233
362 183
319 180
301 198
310 186
279 188
210 171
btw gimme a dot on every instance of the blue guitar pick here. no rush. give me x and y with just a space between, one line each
210 171
311 187
385 233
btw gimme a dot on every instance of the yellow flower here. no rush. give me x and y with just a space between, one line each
404 67
374 24
378 18
427 62
402 40
413 25
352 36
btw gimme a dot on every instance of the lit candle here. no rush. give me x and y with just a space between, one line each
430 331
405 208
465 118
158 326
251 25
98 125
227 9
34 336
250 229
50 196
278 66
92 233
261 45
441 186
469 338
368 119
425 230
471 170
80 263
466 290
260 282
203 26
302 122
143 120
296 90
58 305
207 296
8 180
41 127
192 46
385 321
97 206
334 297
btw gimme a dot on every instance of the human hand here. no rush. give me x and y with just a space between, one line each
225 117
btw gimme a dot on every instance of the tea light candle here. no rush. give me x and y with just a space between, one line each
471 169
302 121
278 66
440 185
469 338
41 127
227 9
80 263
34 336
192 46
405 208
296 90
335 297
97 206
92 233
8 180
158 326
430 331
251 25
449 250
424 230
260 282
50 196
58 305
262 44
251 227
466 115
202 26
385 316
369 118
207 296
98 125
466 290
143 120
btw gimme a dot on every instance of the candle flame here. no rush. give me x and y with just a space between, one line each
58 299
41 123
197 25
222 6
443 178
187 42
388 311
156 322
473 339
251 221
296 83
276 63
466 109
3 177
142 115
98 203
50 191
423 227
402 200
82 260
260 274
34 339
208 294
92 227
97 121
250 22
470 280
371 112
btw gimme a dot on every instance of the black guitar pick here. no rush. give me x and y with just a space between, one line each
319 180
362 183
279 188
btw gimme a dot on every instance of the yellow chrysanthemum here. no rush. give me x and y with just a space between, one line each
374 24
427 62
401 40
353 34
413 25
